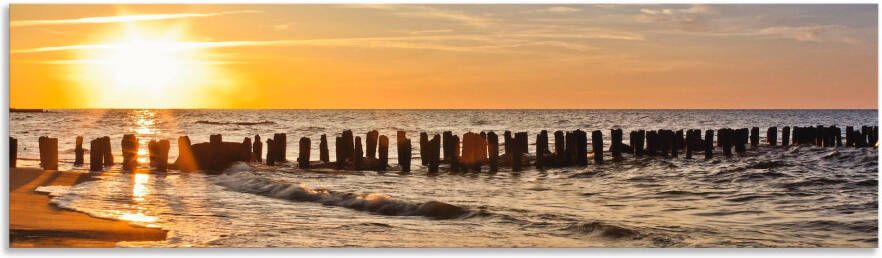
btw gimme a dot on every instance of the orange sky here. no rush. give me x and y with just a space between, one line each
443 56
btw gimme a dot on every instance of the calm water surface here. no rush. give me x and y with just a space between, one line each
772 196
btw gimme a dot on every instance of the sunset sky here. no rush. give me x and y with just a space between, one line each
443 56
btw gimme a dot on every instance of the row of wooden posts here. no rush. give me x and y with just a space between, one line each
469 153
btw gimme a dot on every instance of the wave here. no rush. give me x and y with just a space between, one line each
240 178
603 230
234 123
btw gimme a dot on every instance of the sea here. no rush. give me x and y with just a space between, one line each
772 196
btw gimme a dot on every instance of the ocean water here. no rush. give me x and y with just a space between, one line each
798 196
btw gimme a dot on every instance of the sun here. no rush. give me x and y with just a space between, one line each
148 67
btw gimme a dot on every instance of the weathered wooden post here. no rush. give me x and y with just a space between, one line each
447 138
340 153
541 148
434 153
493 150
163 147
424 141
559 148
581 144
651 142
838 134
186 161
384 153
725 138
78 151
785 136
107 151
708 144
371 142
129 145
96 155
741 140
152 152
51 161
358 157
303 153
348 146
690 143
754 137
270 152
616 146
454 153
772 136
280 140
639 142
404 151
257 149
597 146
323 149
13 152
677 143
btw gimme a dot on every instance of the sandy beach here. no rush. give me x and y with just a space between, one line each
34 222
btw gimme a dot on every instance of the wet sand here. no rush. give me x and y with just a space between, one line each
34 222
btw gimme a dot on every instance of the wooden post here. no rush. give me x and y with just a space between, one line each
690 143
424 141
708 144
677 143
358 156
107 151
371 142
616 146
741 137
152 152
493 151
280 140
78 151
559 149
348 146
246 149
434 153
186 161
541 148
340 153
651 142
323 149
772 136
516 156
785 136
96 155
384 153
270 152
50 149
597 146
639 142
13 152
303 155
447 138
454 153
754 137
404 152
581 144
162 157
725 138
129 145
257 149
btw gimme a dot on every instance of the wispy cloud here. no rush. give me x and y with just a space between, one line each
122 18
556 9
422 11
694 18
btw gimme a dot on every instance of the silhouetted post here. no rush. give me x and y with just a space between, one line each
96 157
616 146
404 151
581 147
447 138
13 152
371 142
516 156
708 144
434 153
152 153
677 143
772 136
340 153
597 146
186 161
78 151
270 152
280 141
493 151
454 153
384 153
129 145
107 151
559 148
690 143
246 149
323 149
162 158
838 133
741 136
638 142
754 137
257 149
358 157
785 136
725 138
541 148
424 141
651 142
303 155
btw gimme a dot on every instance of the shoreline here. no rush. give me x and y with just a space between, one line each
35 222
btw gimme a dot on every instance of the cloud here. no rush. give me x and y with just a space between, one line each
556 9
421 11
283 26
694 18
122 18
822 33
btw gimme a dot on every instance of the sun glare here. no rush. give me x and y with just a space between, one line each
142 68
